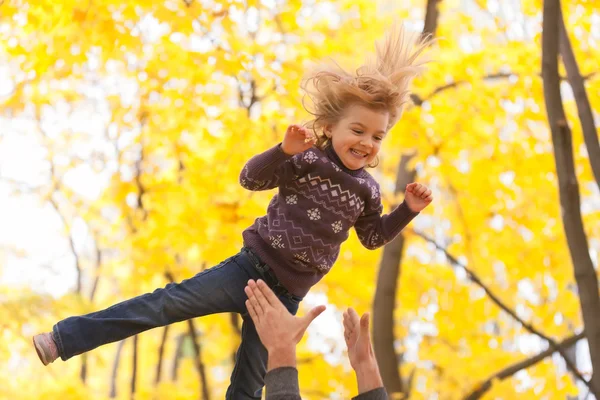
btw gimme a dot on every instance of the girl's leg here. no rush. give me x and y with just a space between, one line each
247 379
215 290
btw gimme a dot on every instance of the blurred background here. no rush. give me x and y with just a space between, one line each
123 129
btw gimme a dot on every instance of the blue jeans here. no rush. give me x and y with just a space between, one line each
216 290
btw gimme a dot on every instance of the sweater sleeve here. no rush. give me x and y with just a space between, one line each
374 229
282 384
375 394
271 168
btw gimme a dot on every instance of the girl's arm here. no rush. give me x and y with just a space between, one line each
276 165
373 229
270 169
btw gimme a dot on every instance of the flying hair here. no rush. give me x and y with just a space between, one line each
382 83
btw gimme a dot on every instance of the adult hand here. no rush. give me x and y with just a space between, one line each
417 196
358 339
360 351
297 139
276 326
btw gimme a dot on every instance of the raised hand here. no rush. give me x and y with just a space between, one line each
360 351
297 139
417 196
276 326
358 339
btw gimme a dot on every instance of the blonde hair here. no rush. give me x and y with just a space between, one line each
381 84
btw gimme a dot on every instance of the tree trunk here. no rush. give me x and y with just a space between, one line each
431 17
389 268
586 117
115 370
198 361
385 297
83 371
235 323
134 366
177 358
585 275
161 355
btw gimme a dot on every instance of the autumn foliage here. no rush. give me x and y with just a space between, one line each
139 116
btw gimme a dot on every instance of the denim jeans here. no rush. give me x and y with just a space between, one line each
216 290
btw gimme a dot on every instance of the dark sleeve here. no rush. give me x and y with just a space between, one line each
375 394
282 384
271 168
374 229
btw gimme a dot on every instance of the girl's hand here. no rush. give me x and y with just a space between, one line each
417 196
297 139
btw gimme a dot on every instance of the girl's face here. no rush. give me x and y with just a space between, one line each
356 138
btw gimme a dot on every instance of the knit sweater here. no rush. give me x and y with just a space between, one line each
282 384
318 201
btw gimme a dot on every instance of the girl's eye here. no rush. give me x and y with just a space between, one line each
357 131
378 138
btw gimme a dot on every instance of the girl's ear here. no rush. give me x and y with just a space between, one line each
327 131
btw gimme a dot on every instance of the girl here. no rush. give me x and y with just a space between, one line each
323 191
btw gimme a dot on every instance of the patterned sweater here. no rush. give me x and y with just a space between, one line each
319 200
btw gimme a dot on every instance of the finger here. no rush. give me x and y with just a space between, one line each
347 323
353 317
312 314
365 335
253 296
410 187
427 193
364 324
429 198
268 295
259 294
253 315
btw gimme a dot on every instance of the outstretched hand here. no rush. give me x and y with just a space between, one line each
358 339
417 196
360 351
276 326
297 139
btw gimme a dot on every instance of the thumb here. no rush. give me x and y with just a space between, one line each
312 314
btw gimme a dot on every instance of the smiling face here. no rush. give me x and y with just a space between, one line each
357 137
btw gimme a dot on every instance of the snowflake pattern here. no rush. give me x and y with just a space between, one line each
338 169
337 226
310 157
323 267
291 199
314 214
360 180
277 242
374 192
302 257
374 239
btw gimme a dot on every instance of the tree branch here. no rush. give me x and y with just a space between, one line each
509 371
496 300
586 117
418 100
